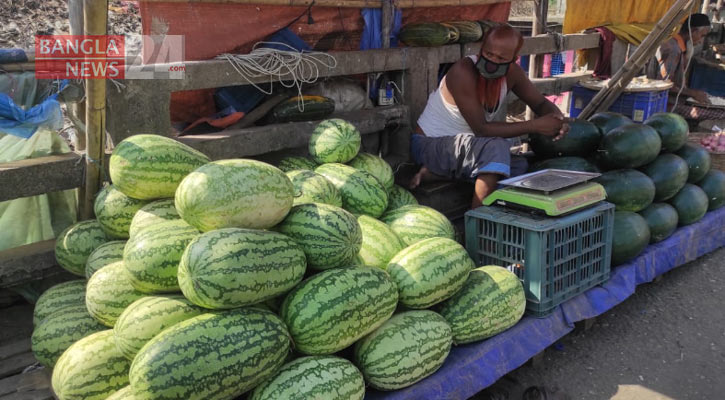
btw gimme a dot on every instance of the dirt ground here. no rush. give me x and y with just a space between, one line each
667 341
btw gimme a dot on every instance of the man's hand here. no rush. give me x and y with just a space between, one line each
550 125
700 96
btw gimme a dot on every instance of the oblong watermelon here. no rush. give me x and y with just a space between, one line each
152 257
415 223
491 301
147 317
630 236
582 139
669 174
361 192
152 214
630 146
105 254
662 221
60 330
607 121
429 271
334 141
91 369
218 355
566 163
379 242
691 204
628 189
114 211
149 167
330 236
234 194
291 163
399 197
672 128
713 184
76 243
333 309
376 166
311 187
64 294
230 268
314 377
109 292
698 160
404 350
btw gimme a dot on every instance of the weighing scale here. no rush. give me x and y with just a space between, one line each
553 192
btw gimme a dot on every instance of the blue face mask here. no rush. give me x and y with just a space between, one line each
491 70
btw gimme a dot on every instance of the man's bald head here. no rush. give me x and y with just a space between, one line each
503 42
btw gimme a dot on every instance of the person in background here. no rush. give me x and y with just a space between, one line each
458 136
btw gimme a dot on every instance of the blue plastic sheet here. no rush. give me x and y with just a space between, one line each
17 121
372 30
471 368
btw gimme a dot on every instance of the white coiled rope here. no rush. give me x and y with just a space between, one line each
300 66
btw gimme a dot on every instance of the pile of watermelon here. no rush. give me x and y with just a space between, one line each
656 179
211 279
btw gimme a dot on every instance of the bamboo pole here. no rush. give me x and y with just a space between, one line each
609 94
78 110
95 14
347 3
538 27
387 22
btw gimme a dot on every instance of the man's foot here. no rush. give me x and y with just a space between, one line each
418 178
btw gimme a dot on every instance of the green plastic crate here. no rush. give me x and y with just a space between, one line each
555 258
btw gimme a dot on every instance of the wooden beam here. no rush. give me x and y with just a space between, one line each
40 175
346 3
27 263
257 141
560 83
543 44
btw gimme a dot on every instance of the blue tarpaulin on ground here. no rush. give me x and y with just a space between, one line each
473 367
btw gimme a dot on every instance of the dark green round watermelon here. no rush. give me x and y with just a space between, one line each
630 236
672 128
568 163
628 189
691 204
582 139
606 121
713 184
697 158
669 174
630 146
662 221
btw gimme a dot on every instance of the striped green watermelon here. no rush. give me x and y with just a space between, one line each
491 301
103 255
216 355
76 243
234 194
399 197
314 377
152 256
61 329
361 192
151 214
148 167
123 394
379 243
230 268
288 164
114 211
430 271
334 141
311 187
91 369
415 223
405 349
376 166
329 235
109 292
333 309
147 317
59 296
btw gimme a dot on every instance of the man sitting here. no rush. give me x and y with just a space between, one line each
458 137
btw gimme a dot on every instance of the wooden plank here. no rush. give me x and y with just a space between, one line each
346 3
40 175
33 381
543 44
30 262
9 350
46 394
16 364
560 83
260 140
